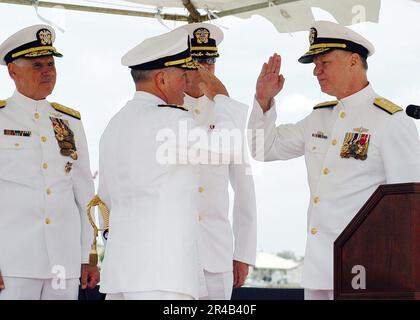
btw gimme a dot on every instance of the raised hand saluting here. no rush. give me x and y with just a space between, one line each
270 82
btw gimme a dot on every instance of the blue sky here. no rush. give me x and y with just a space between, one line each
92 80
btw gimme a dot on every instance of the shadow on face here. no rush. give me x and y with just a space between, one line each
172 82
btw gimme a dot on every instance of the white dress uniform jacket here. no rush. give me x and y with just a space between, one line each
152 241
216 246
43 220
340 186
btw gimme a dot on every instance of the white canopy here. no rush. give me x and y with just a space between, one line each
267 260
286 15
290 16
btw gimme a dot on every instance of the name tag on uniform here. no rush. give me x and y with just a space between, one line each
17 133
355 145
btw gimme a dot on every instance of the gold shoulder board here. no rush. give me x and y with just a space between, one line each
3 103
173 106
68 111
387 105
328 104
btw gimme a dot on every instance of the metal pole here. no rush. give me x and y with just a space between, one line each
46 4
253 7
194 14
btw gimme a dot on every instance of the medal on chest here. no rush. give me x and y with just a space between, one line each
68 167
65 137
355 145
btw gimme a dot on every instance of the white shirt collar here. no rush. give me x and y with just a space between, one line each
28 103
359 97
143 95
191 102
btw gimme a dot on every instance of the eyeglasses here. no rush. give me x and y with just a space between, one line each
205 61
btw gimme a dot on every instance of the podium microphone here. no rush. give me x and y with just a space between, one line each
413 111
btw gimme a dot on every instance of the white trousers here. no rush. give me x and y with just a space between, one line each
148 295
39 289
319 294
218 286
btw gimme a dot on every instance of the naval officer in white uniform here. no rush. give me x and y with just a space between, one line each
147 176
45 179
225 254
351 145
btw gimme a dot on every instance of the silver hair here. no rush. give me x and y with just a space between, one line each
19 61
141 75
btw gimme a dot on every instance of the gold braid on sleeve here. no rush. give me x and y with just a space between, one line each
96 201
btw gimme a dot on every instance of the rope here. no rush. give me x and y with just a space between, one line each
96 201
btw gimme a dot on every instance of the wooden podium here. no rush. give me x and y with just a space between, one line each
377 256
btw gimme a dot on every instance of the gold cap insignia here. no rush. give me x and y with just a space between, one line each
45 37
312 35
202 35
